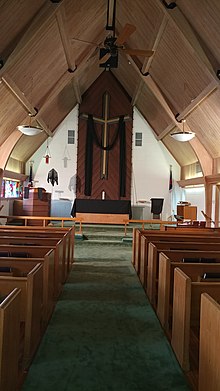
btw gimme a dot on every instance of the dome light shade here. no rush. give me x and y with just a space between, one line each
183 136
29 130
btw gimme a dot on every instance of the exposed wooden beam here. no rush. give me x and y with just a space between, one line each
7 147
44 126
147 62
65 79
213 179
166 131
137 93
203 156
55 90
211 87
156 91
42 18
189 36
192 182
61 19
77 91
208 201
217 205
9 82
160 97
14 175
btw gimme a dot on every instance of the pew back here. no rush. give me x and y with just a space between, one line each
178 255
26 264
9 339
31 306
186 312
152 236
166 279
209 347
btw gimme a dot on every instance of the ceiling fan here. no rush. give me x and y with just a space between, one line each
113 45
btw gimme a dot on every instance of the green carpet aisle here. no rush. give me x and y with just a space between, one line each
104 336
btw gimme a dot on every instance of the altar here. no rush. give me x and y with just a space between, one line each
102 211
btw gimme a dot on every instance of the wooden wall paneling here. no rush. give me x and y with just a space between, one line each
119 105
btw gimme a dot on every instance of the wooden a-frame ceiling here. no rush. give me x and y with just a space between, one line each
49 56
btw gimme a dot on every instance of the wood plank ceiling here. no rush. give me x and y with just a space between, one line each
49 53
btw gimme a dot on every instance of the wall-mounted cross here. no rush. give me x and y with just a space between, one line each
105 121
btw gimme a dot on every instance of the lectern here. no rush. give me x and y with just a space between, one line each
36 202
187 212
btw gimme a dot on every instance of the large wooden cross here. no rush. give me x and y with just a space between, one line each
105 121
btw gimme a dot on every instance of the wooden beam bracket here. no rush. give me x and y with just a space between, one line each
72 70
177 119
144 74
170 5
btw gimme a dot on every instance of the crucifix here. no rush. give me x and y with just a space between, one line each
105 121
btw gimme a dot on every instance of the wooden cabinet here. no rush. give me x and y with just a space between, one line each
187 212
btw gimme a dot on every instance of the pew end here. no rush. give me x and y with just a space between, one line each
209 360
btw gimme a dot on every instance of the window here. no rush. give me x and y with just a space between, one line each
198 168
138 139
71 136
11 189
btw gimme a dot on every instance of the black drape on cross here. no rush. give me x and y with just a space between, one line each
91 136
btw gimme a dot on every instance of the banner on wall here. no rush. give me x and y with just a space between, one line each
171 179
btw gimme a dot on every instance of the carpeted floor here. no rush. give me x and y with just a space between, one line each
104 335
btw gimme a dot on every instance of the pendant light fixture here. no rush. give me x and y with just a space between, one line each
30 130
183 135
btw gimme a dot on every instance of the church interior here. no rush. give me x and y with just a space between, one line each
109 181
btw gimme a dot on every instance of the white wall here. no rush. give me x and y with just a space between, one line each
151 169
196 196
151 166
59 149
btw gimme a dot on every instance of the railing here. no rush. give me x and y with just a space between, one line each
44 219
150 222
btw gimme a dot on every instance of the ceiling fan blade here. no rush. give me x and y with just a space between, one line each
125 34
94 53
83 41
139 52
104 58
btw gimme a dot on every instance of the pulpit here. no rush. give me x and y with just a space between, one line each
36 202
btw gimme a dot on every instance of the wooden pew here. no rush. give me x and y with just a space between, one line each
52 243
67 237
186 317
9 338
46 232
209 344
140 245
166 279
184 251
43 255
55 232
190 228
30 282
45 238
